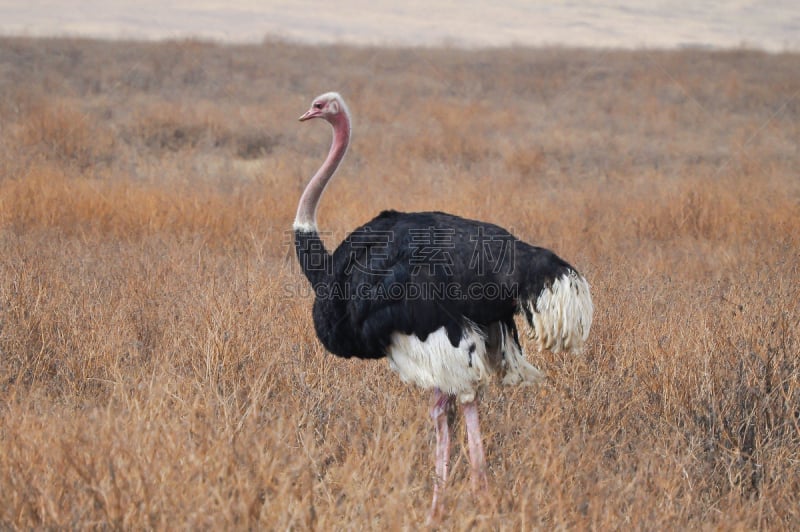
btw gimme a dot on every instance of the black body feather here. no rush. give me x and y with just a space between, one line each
414 273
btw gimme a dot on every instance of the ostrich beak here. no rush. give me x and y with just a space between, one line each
311 113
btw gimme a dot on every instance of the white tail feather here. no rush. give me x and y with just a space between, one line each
517 368
561 315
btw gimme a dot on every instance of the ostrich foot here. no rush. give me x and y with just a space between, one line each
477 458
441 401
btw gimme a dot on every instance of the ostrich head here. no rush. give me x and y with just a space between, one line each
332 108
329 106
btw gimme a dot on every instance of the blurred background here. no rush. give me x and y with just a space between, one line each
772 25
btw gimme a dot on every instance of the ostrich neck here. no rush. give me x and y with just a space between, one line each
306 219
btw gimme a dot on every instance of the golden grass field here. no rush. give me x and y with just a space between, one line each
158 364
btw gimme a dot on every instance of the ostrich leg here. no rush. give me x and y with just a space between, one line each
476 456
439 414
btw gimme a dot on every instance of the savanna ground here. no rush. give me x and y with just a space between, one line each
158 365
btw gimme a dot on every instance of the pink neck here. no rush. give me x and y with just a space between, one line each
306 219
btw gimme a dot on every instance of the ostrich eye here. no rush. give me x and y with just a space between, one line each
317 105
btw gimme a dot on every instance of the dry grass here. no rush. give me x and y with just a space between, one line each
158 368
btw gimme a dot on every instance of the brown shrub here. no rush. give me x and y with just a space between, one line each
61 131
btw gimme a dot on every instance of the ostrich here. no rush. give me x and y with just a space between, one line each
436 294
